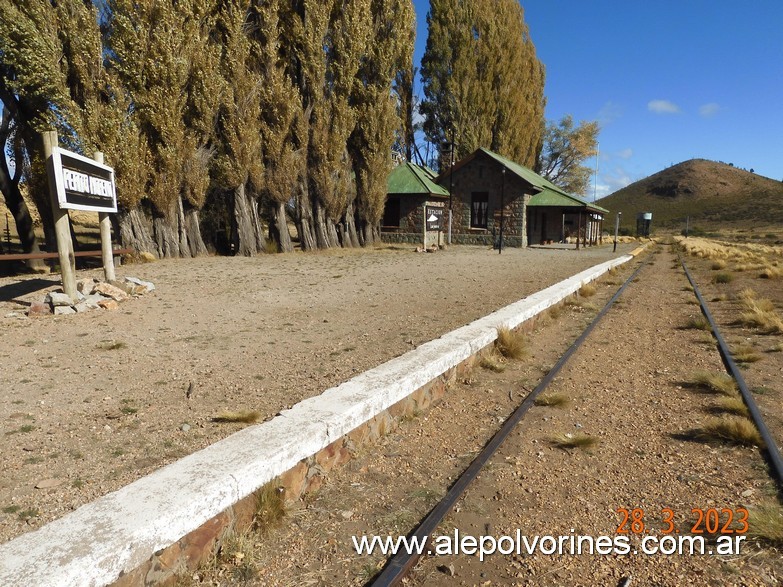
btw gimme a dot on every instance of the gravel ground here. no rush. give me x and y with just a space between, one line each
91 402
626 389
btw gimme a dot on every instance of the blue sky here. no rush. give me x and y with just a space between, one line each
667 80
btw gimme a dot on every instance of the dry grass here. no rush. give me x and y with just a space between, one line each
270 507
242 416
492 362
511 344
698 323
553 400
759 313
555 312
770 273
719 264
723 277
732 429
765 523
732 405
745 353
719 383
777 348
587 290
569 440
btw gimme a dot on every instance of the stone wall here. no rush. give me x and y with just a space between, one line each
485 174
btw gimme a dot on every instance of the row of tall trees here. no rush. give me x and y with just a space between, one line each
230 110
234 117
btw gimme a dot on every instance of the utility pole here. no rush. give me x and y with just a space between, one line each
595 179
502 194
616 230
451 179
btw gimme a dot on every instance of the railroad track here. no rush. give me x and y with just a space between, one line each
400 565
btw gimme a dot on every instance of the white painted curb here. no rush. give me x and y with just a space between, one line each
118 532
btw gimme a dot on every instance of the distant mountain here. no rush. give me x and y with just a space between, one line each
713 194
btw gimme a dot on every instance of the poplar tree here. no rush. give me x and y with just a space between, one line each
281 119
239 165
164 56
379 109
483 83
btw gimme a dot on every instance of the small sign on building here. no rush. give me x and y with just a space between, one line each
434 217
83 184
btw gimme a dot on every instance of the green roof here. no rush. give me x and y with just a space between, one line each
550 194
409 178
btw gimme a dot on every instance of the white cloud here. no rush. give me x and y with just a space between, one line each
709 110
625 153
663 107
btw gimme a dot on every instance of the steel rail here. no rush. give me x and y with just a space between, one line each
402 562
771 447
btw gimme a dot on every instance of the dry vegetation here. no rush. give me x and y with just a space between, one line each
732 429
511 344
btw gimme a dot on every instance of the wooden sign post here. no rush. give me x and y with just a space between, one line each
105 224
62 223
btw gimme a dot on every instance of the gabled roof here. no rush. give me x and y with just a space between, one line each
410 178
547 193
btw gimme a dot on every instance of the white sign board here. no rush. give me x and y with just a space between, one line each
83 184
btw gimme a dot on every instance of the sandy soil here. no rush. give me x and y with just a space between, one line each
627 389
93 401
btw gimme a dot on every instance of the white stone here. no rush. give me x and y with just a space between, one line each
58 299
136 281
63 310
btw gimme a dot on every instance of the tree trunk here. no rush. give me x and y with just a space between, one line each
135 230
182 236
193 231
22 219
258 226
166 237
304 220
350 225
278 229
244 231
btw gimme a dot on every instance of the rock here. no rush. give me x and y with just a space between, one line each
747 493
39 309
147 285
85 285
63 310
48 483
447 570
12 315
109 305
84 307
124 286
185 427
57 299
110 291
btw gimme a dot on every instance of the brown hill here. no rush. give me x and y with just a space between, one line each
714 196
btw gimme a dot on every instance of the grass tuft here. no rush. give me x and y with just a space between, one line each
270 507
770 273
554 400
765 523
511 344
492 363
569 440
587 290
745 354
243 416
732 405
698 323
723 277
732 429
718 264
719 383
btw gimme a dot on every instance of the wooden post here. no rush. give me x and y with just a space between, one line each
578 229
62 223
424 225
105 224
